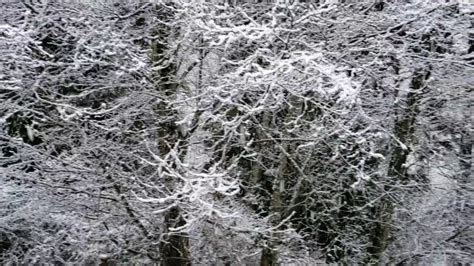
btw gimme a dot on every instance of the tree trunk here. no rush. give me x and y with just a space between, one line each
174 246
269 257
397 170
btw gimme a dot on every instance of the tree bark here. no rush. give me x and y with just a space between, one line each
269 257
174 246
397 169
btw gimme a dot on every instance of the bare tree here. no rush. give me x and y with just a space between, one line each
291 132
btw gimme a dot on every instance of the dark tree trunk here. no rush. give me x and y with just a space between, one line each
397 171
174 247
269 257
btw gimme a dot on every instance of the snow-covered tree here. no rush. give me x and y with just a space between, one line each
235 132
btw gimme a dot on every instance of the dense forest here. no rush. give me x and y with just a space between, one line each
236 132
